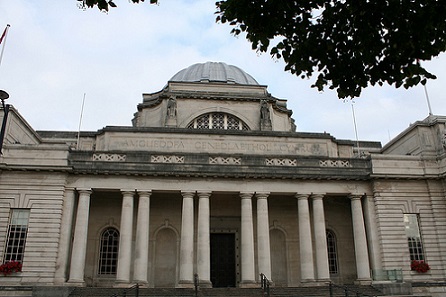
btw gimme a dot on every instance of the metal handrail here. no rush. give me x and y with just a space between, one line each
264 283
196 284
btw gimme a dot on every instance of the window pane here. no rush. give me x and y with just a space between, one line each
108 258
16 237
413 234
218 120
332 252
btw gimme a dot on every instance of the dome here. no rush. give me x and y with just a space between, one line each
214 72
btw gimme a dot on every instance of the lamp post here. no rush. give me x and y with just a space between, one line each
3 97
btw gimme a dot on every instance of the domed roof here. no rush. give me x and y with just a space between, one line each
214 72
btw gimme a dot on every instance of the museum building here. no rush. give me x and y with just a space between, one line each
212 179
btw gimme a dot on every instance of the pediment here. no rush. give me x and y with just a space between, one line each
18 131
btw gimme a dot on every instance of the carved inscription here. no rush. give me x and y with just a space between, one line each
225 146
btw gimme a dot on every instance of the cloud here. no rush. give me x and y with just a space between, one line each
56 52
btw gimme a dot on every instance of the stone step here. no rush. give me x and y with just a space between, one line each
323 291
16 291
223 292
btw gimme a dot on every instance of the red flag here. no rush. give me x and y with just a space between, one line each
4 34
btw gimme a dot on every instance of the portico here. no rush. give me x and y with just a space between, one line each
252 221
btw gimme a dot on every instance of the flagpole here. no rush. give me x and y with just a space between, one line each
80 122
425 93
428 101
3 39
356 130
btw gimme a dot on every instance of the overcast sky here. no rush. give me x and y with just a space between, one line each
56 52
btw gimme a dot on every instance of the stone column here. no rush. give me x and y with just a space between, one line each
372 232
263 244
142 238
360 239
203 240
80 238
247 242
320 236
305 240
125 238
65 236
187 241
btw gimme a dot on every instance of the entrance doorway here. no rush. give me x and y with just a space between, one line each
223 258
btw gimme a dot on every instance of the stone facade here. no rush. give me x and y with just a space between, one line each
212 179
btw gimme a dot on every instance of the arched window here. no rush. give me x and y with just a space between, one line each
332 252
218 120
108 254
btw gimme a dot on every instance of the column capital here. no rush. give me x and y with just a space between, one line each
84 191
144 192
246 195
204 194
127 191
355 196
188 194
300 196
316 196
262 195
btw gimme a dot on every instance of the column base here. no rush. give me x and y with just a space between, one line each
59 281
363 281
205 284
76 282
315 283
321 282
185 284
249 284
122 284
308 283
142 284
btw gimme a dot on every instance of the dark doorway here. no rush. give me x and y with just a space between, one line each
223 273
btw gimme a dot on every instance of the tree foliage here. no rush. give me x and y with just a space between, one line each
350 43
104 5
347 44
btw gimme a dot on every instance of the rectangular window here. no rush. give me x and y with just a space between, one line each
16 237
413 234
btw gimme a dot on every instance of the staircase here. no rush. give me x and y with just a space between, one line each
15 291
322 291
226 292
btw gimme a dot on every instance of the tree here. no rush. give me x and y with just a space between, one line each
104 5
350 44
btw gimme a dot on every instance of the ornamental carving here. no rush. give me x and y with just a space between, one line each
334 163
109 157
281 162
166 159
225 161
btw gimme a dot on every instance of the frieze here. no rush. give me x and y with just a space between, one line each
281 162
166 159
225 161
109 157
213 146
334 163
